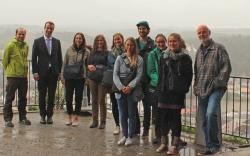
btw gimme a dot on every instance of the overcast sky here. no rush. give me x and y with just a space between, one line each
126 13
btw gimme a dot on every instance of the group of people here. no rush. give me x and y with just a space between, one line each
157 72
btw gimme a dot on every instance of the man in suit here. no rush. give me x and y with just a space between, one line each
46 68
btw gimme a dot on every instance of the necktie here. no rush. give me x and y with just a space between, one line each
48 45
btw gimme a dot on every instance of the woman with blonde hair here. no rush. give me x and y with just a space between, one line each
128 70
175 77
117 49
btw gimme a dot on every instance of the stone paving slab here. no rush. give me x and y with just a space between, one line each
61 140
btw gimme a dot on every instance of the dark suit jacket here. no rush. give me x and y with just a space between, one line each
41 57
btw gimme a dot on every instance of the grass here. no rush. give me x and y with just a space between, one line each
235 139
188 129
32 108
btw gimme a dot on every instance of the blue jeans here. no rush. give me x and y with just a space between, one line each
127 109
210 107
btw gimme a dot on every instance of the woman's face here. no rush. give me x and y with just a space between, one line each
129 46
78 40
160 43
173 43
100 42
118 41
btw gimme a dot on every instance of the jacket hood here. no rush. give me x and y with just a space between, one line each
15 41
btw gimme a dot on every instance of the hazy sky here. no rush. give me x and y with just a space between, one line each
126 13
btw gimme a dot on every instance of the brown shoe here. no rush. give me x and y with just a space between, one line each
93 125
173 151
102 125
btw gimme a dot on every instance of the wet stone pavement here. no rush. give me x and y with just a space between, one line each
61 140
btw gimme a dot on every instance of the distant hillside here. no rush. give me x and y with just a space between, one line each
235 40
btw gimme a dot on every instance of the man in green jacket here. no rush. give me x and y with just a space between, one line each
16 68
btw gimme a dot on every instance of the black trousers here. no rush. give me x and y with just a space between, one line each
146 107
47 84
156 120
71 86
137 121
170 119
88 94
13 84
115 109
147 111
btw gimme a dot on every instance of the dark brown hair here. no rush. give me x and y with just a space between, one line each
83 45
105 47
49 22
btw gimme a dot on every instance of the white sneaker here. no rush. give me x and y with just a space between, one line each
68 123
122 141
75 123
117 130
128 142
163 147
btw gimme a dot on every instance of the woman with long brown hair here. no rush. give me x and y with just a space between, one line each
97 64
77 54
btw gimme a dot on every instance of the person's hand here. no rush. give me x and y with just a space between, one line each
195 92
128 89
59 76
124 90
91 68
36 76
63 81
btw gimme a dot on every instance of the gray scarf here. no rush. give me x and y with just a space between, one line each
117 51
171 56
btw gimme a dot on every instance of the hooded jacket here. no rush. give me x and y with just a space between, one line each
153 65
15 61
175 77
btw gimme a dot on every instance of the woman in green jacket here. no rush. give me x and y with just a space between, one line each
152 71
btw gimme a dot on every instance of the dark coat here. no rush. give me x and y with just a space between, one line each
41 57
175 77
143 52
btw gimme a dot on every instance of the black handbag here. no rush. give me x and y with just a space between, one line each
73 71
107 79
137 93
97 75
